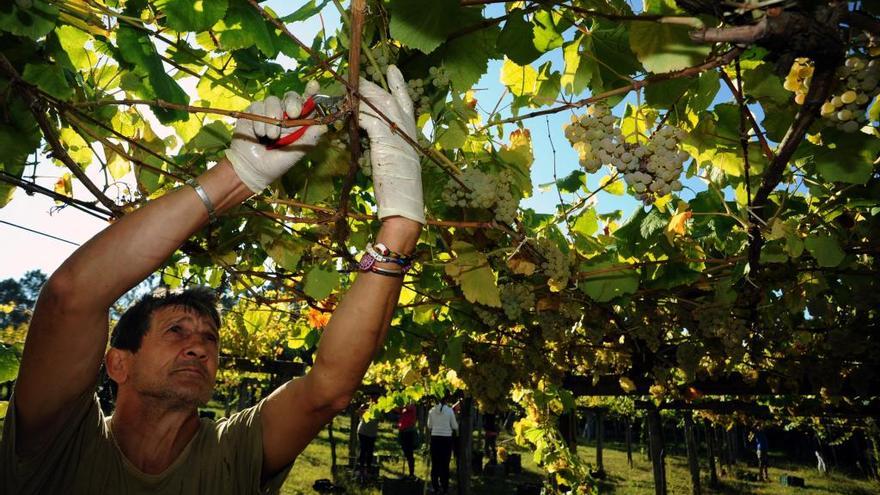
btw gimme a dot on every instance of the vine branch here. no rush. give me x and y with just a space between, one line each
38 108
719 61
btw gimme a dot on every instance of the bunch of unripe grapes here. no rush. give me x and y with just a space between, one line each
487 191
517 299
555 263
847 109
651 168
377 73
488 380
417 88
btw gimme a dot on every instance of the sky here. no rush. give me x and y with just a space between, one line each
24 250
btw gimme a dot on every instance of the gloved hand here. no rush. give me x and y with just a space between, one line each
257 166
397 174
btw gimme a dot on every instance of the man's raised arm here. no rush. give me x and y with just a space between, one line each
295 413
68 332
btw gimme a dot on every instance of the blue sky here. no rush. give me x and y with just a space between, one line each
24 250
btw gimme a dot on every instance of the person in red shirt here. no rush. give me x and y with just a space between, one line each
406 434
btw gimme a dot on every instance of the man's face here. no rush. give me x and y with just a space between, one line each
177 360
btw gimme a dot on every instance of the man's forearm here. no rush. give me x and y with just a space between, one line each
359 324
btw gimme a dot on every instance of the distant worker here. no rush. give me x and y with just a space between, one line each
406 435
442 423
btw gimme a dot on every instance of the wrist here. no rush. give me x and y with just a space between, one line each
224 187
399 234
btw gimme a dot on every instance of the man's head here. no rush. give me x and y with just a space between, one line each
166 347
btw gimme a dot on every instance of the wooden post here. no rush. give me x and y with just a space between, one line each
332 447
600 433
353 436
658 455
710 446
629 447
465 440
692 453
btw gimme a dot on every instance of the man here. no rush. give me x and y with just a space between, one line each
407 435
761 450
442 424
164 355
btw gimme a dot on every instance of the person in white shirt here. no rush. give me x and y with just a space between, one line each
442 423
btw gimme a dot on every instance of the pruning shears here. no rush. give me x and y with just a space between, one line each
320 104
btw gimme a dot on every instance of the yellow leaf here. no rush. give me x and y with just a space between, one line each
678 223
521 266
627 384
520 80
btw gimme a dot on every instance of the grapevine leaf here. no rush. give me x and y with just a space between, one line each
453 355
34 22
759 81
606 280
572 182
520 156
664 94
136 49
18 139
452 136
664 47
616 188
286 253
707 88
8 364
210 138
517 39
74 42
825 249
424 25
49 78
309 9
578 70
546 33
586 224
186 15
320 282
472 272
614 58
466 58
654 222
850 158
243 27
521 80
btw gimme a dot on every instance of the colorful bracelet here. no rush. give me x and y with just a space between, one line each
387 273
384 251
368 264
371 256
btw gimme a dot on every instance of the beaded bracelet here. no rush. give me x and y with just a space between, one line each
382 256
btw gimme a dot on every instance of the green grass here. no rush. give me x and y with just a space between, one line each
314 463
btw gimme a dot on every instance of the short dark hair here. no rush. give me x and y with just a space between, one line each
134 323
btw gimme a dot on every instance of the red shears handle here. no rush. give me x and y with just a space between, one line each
307 109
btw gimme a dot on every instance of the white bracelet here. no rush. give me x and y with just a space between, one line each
200 191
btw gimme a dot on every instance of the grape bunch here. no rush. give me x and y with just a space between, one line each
555 263
652 168
374 73
860 84
439 77
488 380
517 299
486 192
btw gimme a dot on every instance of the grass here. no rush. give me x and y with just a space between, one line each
314 463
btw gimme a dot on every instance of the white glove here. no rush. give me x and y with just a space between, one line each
397 174
257 166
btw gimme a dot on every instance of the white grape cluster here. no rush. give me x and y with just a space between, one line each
517 299
377 73
555 263
486 192
860 84
417 88
651 168
490 318
365 165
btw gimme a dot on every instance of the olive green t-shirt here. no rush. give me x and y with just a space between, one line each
224 457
